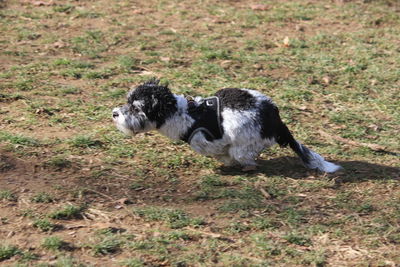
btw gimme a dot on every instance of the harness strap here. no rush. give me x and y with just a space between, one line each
207 117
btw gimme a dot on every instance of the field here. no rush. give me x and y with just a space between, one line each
74 191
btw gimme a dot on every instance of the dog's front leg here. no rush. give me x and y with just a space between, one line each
217 148
227 160
245 155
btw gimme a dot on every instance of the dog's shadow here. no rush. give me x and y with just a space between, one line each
353 171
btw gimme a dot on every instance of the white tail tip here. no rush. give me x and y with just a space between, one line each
318 162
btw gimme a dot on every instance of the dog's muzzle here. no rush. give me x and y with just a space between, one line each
115 114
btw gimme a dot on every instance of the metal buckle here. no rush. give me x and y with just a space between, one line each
209 103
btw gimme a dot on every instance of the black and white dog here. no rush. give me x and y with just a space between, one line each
233 126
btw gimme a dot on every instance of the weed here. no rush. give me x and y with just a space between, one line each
364 208
293 216
240 204
42 197
44 225
28 35
67 212
84 141
212 180
127 63
267 246
316 258
7 252
179 235
27 256
91 44
30 213
102 74
18 139
174 218
73 73
298 239
133 263
261 223
70 90
7 195
53 243
58 162
10 97
63 8
237 227
109 245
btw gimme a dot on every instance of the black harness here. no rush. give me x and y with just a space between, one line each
207 117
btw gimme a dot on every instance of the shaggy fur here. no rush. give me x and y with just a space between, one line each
250 122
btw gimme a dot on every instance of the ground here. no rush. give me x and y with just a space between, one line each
74 191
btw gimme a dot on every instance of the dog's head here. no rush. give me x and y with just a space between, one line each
149 105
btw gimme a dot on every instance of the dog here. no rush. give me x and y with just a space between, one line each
234 126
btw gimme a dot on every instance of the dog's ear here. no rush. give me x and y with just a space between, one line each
155 101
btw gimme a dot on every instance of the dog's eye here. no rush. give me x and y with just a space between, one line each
135 109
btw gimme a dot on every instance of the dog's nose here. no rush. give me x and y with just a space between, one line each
115 114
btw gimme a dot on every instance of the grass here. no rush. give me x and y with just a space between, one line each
109 245
67 212
132 263
44 225
18 139
7 195
42 197
331 67
83 141
174 218
53 243
7 252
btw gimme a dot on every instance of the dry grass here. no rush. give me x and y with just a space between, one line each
76 192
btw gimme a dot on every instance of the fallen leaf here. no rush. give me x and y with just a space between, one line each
42 3
326 80
59 44
260 7
299 28
165 59
286 42
123 201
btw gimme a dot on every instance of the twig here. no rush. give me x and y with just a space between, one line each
213 235
264 193
374 147
99 193
267 196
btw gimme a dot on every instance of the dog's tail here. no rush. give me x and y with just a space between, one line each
311 159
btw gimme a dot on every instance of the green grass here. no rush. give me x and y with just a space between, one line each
53 243
174 218
7 252
44 225
42 197
84 141
298 239
328 66
133 263
67 212
7 195
58 162
18 139
109 245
